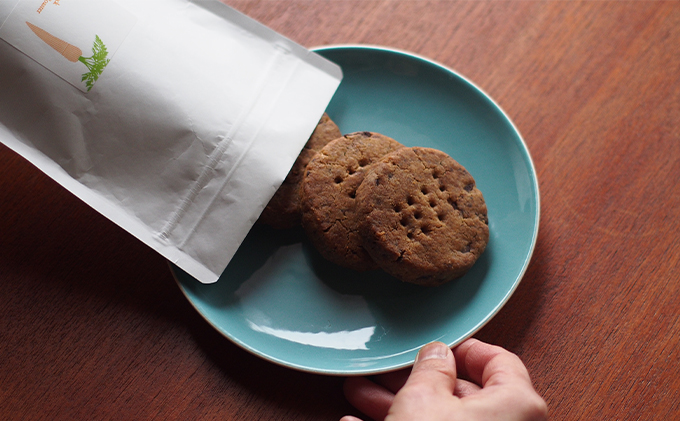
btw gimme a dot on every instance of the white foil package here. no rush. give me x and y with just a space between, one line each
177 120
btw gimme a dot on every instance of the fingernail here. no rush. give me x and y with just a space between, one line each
434 350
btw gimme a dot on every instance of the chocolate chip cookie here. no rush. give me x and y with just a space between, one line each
424 220
283 210
328 194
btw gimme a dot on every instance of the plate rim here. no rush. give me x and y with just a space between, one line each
525 265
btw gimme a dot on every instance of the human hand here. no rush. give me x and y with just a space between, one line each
476 381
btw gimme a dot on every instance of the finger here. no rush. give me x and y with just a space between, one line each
507 387
488 365
504 379
349 418
392 381
434 370
465 388
368 397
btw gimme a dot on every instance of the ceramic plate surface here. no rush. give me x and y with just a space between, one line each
280 300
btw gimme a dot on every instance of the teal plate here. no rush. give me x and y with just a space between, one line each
280 300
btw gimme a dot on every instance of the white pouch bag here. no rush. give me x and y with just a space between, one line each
176 119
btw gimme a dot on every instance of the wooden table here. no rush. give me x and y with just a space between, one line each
92 325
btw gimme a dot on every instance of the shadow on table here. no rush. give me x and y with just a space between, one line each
67 254
71 263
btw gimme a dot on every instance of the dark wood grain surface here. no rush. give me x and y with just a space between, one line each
92 325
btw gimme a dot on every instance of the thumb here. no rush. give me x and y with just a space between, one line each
434 370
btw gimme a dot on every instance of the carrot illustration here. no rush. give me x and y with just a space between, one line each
70 51
95 63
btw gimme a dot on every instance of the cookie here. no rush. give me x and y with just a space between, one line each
283 210
425 221
328 196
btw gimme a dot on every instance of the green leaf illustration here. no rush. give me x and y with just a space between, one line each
95 63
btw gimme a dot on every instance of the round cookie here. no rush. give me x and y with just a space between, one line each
328 196
283 210
425 222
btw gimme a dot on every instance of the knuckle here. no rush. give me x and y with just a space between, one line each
536 408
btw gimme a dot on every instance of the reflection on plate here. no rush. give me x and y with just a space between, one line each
280 300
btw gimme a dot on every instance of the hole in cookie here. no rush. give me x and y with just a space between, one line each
351 171
404 221
353 194
410 235
410 200
363 162
441 216
453 203
426 229
417 214
469 187
397 208
435 174
424 190
442 187
466 249
338 180
433 202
